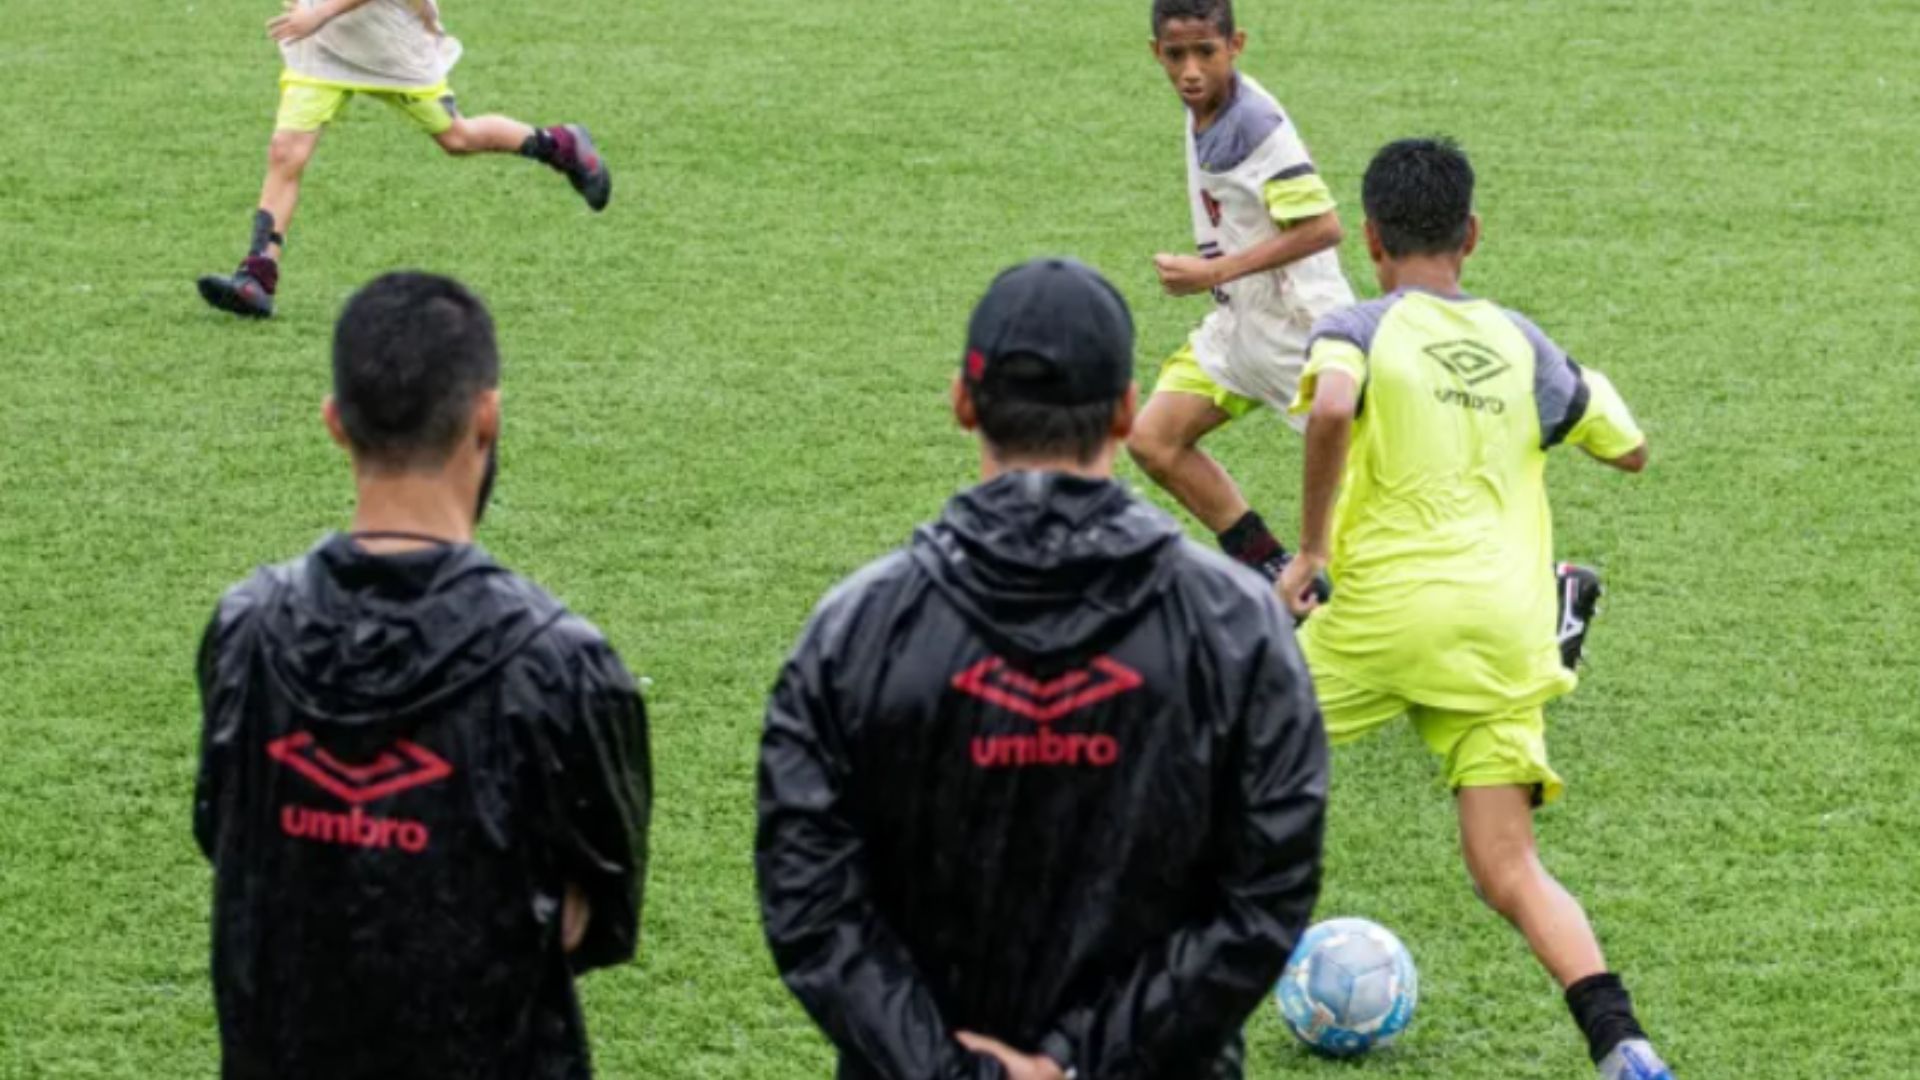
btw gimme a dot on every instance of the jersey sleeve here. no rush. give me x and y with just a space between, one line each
1340 341
1297 193
1328 354
1577 405
1290 183
1607 430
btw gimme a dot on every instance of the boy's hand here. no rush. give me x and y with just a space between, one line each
1296 585
1184 275
296 23
1019 1066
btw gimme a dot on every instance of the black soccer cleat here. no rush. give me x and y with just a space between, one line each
587 172
239 292
1580 591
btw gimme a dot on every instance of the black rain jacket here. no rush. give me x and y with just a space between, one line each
405 759
1052 774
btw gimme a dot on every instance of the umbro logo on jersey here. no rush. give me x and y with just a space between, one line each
401 767
1469 361
1044 702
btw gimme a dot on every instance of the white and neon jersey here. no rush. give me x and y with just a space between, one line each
1249 176
383 44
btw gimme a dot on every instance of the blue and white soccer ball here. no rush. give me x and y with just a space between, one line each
1350 987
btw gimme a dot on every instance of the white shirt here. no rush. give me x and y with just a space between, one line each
383 43
1254 342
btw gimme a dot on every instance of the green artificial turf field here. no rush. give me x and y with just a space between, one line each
727 392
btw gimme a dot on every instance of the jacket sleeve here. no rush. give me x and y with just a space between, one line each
606 780
206 784
222 702
832 948
1187 997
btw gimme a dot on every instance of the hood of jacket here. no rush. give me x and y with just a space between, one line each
1048 564
366 642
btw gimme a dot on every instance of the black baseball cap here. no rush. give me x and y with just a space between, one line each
1051 331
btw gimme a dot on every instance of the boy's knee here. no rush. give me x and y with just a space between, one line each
1502 877
288 151
1152 451
455 140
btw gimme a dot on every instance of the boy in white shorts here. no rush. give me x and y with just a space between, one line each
1267 230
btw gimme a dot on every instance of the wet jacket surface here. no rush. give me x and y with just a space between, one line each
1052 773
404 760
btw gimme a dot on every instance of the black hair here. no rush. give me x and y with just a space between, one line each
411 351
1419 195
1217 12
1017 427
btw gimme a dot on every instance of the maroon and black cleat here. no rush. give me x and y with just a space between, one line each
585 168
243 292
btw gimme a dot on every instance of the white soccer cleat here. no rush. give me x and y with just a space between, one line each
1634 1060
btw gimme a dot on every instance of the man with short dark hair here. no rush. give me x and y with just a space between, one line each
1431 416
1042 794
424 784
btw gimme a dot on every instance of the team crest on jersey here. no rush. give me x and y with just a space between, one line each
1212 206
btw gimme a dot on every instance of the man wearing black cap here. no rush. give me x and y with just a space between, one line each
1041 794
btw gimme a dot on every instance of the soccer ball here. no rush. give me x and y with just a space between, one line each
1351 986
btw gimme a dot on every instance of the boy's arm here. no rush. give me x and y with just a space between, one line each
298 22
1578 405
1607 430
1329 430
1330 396
1301 206
1185 275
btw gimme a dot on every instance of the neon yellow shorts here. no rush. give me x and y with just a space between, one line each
1504 749
1182 374
309 105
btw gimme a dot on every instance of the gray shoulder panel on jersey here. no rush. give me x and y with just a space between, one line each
1559 393
1355 325
1249 120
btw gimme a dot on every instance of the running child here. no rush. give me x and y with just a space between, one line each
395 51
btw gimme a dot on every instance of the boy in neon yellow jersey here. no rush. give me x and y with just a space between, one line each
1437 410
395 51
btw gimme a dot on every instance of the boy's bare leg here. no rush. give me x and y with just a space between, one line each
567 148
287 157
1496 834
484 135
249 290
1166 444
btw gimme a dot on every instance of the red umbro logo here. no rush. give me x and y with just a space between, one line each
993 681
1045 701
403 765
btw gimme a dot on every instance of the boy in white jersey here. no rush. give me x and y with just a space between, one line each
1267 231
396 51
